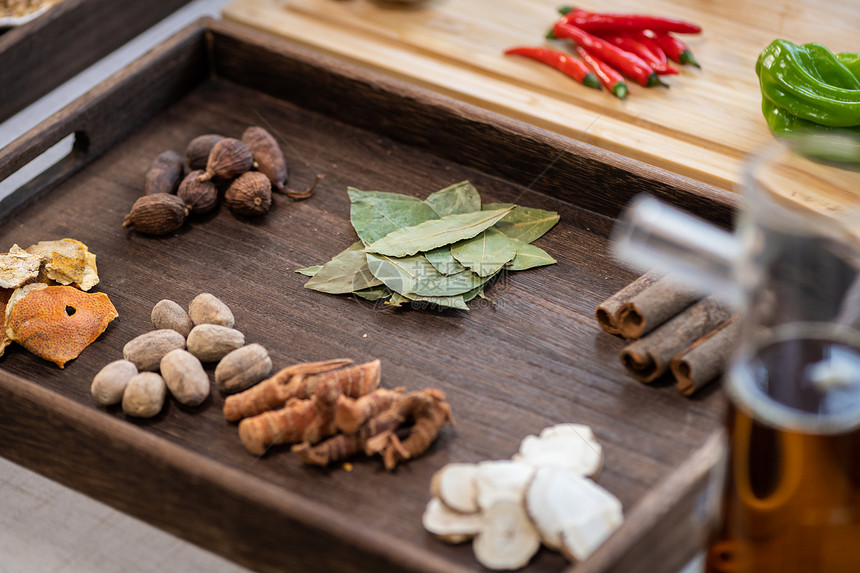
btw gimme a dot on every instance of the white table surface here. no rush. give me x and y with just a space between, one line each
44 526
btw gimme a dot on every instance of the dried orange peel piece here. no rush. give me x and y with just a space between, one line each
17 267
57 322
5 293
68 262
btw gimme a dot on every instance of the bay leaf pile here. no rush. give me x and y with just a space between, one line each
441 251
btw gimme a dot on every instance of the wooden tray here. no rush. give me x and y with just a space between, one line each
703 126
38 56
534 359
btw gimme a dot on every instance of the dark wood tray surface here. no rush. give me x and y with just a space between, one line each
534 359
40 55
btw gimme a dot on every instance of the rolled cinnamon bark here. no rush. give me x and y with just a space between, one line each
650 357
607 311
654 306
706 359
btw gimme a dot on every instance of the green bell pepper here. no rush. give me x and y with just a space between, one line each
807 87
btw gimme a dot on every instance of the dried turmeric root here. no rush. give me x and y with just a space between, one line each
302 381
378 434
351 413
274 392
430 414
300 420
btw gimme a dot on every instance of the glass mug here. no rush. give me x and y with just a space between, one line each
790 497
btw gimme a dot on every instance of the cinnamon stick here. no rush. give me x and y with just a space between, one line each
654 306
650 357
706 359
607 311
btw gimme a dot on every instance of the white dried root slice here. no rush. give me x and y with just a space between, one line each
17 267
449 525
568 446
572 513
454 485
508 539
501 480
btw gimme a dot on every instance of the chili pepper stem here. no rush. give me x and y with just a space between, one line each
591 81
686 57
654 80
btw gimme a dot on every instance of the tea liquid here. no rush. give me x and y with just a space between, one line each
791 495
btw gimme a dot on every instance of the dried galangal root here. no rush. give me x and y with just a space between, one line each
56 322
67 262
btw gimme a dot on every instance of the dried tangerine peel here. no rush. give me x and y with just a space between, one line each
17 267
57 322
5 293
67 262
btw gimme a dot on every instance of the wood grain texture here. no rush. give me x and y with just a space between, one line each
45 52
703 126
534 358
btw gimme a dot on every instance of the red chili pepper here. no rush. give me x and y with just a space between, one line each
677 50
560 61
628 43
647 39
604 22
607 75
628 64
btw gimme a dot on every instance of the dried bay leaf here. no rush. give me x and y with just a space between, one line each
486 253
431 234
309 271
375 214
524 223
461 197
458 301
443 261
414 275
347 272
397 300
528 256
374 293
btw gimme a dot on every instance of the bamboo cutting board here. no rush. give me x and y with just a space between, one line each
702 126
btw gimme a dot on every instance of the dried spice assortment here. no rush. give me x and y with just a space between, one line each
614 46
44 303
670 330
543 495
443 250
172 356
247 170
332 410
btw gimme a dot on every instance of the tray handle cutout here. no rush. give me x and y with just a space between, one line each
51 166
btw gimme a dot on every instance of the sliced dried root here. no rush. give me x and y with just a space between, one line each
502 480
508 539
449 525
455 486
572 513
542 495
568 446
